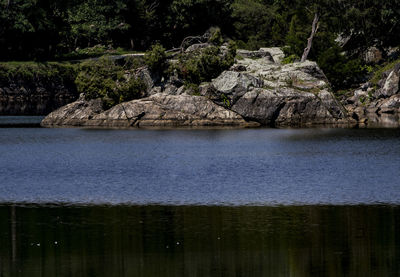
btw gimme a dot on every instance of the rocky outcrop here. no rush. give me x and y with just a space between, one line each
257 90
273 94
40 99
34 93
377 105
159 110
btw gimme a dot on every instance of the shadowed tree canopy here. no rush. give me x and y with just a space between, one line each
52 29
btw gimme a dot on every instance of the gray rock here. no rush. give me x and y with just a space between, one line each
261 90
271 94
276 53
170 89
160 110
391 86
233 85
255 54
390 105
37 96
145 75
373 55
196 47
284 107
74 114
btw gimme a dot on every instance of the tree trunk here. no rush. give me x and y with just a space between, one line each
314 30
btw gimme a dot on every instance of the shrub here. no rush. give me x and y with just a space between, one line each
290 59
216 36
379 70
32 72
104 79
340 70
205 64
156 59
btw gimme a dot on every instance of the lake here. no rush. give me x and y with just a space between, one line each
234 202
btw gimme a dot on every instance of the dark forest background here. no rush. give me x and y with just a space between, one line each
57 29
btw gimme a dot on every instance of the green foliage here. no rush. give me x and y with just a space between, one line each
290 59
252 22
104 79
94 21
225 100
193 89
44 30
34 72
204 65
156 59
378 72
340 70
216 36
92 52
296 38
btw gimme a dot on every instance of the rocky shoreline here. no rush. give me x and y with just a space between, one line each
35 89
258 90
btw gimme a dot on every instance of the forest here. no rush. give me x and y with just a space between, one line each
44 30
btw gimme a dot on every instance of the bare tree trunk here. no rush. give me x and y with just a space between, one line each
314 30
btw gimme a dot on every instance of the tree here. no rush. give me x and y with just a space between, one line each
314 30
253 20
95 21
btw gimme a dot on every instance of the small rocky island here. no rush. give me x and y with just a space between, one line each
258 90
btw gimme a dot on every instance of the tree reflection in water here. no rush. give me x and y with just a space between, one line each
199 241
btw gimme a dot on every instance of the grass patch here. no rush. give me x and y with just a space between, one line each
94 52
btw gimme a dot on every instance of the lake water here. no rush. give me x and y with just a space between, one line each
250 202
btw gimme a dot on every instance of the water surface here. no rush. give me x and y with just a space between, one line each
251 202
200 167
174 241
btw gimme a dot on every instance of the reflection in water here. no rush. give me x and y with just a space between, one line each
199 241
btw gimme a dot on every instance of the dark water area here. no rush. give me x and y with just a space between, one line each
249 202
200 241
20 121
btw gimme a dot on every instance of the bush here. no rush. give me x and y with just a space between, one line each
216 36
156 59
32 72
205 64
104 79
340 70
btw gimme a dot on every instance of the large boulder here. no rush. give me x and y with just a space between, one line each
272 94
74 114
232 85
391 86
289 107
276 53
159 110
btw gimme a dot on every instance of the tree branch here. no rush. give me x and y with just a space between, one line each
314 30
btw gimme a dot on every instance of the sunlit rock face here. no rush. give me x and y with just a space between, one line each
159 110
260 88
